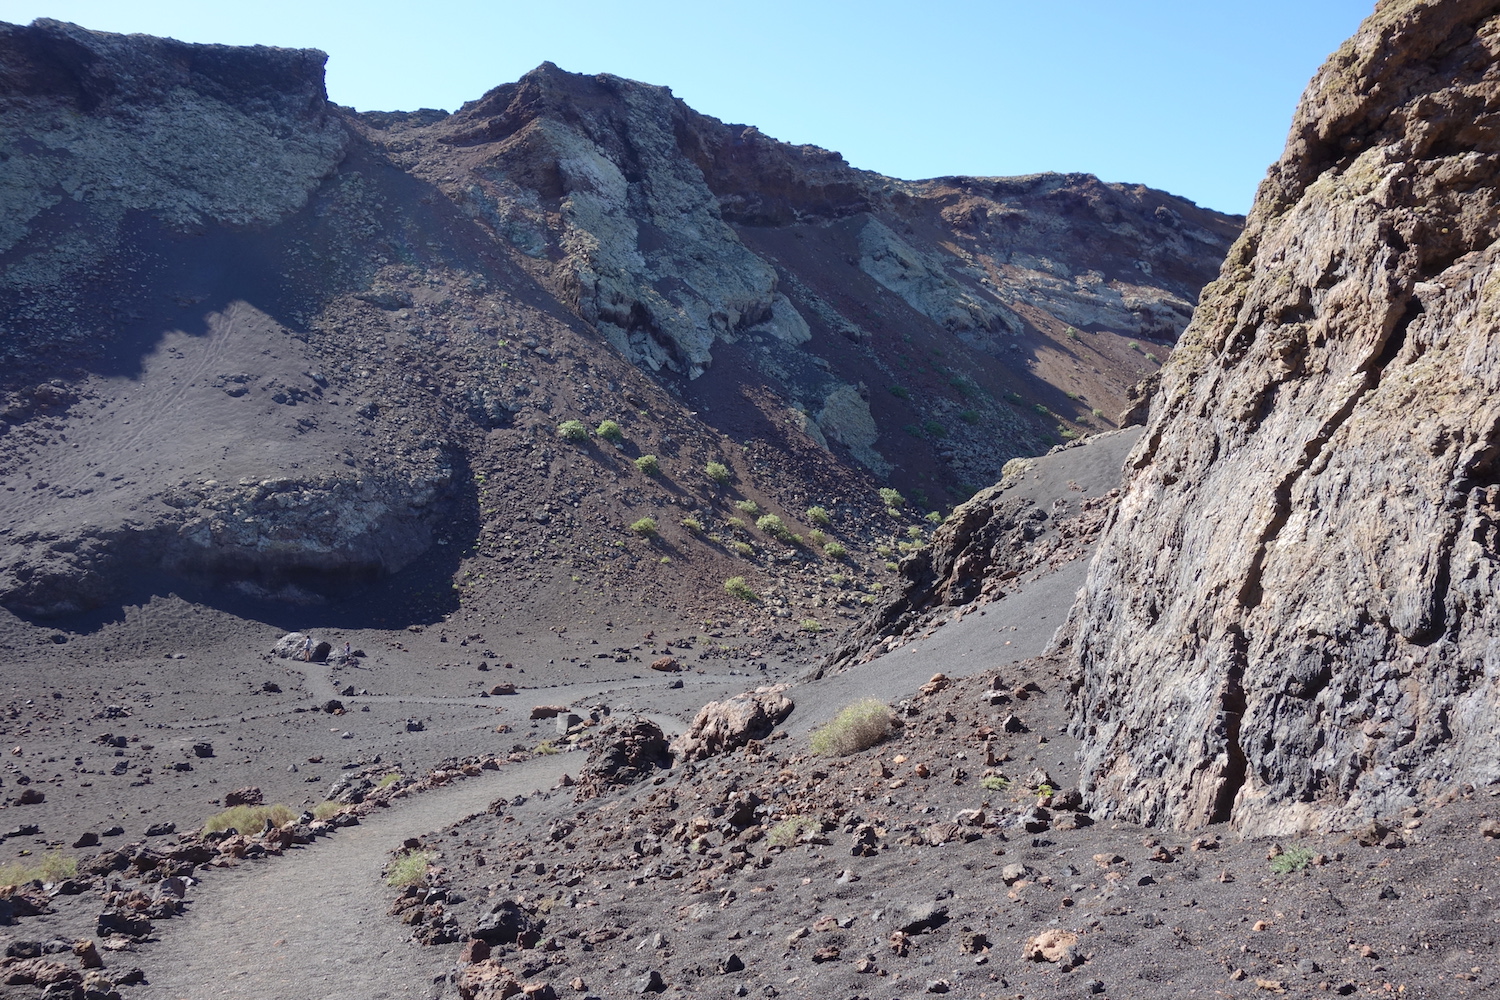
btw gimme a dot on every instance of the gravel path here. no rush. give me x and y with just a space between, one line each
313 923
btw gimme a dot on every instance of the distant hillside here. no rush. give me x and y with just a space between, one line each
257 342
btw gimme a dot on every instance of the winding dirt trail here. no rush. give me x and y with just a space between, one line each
313 923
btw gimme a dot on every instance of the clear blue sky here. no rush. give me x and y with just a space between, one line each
1192 96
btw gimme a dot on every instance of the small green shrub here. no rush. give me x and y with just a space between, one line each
54 866
771 525
859 726
692 524
572 430
610 431
736 586
1098 413
891 498
915 430
665 560
893 566
819 516
835 550
914 531
1042 409
884 551
645 527
747 507
249 819
1295 859
994 783
547 747
717 471
743 548
328 810
1152 358
969 416
785 833
811 625
1014 397
388 780
648 464
1067 433
1134 345
817 538
409 868
1073 334
934 429
933 517
899 392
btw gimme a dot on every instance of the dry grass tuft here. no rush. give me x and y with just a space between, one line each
858 727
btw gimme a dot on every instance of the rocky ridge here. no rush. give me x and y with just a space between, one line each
406 306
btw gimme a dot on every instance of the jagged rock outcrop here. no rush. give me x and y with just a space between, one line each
1291 621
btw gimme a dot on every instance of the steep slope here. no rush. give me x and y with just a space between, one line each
261 344
1291 619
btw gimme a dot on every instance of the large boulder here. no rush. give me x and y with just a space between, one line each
721 726
1291 620
623 755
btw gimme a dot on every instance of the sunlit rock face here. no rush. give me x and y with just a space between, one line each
1291 620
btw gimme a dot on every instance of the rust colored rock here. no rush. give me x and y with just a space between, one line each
243 797
88 954
502 689
474 950
38 972
1291 620
933 686
724 725
666 664
487 980
547 711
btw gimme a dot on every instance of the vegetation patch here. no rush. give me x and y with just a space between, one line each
717 471
835 550
249 819
891 498
819 516
409 868
785 833
1294 859
736 586
648 464
572 430
329 809
54 866
692 524
749 507
858 727
644 528
610 431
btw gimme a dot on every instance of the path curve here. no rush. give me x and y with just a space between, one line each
313 922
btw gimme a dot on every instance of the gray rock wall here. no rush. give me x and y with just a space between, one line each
1291 620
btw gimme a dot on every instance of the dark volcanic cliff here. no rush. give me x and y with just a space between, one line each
254 338
1291 621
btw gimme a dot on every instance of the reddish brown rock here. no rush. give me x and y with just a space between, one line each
243 797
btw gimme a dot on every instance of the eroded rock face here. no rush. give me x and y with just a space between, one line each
1291 620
